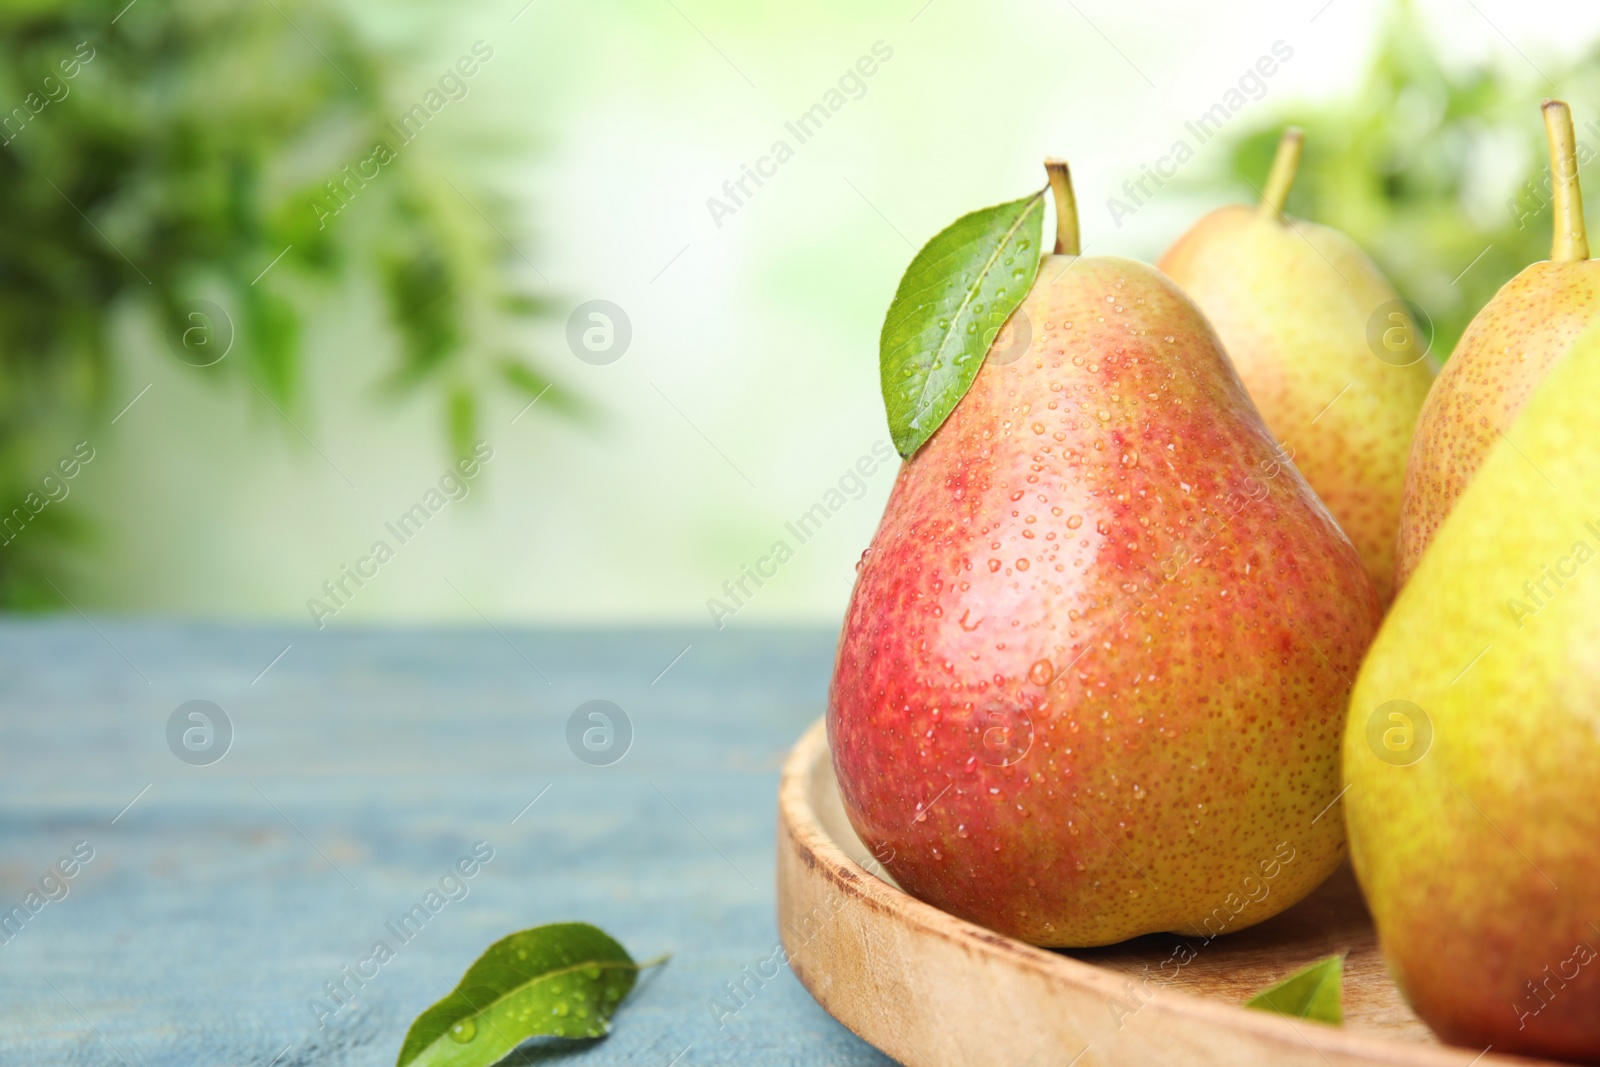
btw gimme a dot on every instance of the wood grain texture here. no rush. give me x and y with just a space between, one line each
216 907
931 990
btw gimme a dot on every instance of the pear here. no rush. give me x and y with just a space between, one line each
1325 346
1503 355
1472 750
1092 676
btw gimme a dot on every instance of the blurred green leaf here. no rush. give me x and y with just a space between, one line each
274 332
463 420
221 170
545 391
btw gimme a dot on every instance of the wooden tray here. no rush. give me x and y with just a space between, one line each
932 990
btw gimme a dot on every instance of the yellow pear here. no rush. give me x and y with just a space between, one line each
1502 357
1472 745
1325 346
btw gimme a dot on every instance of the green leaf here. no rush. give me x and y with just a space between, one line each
562 980
1312 993
952 300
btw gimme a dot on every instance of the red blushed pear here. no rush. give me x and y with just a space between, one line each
1501 358
1092 678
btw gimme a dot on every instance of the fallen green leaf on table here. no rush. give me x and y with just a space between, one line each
952 301
560 980
1312 993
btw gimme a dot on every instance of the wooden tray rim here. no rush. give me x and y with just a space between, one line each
801 827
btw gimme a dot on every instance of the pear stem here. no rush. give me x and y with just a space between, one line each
1066 207
1569 242
1281 177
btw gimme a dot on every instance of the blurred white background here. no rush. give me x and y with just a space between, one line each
750 384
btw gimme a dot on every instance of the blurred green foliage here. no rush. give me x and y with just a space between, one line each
164 153
1438 170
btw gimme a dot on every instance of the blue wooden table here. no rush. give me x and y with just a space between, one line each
222 899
